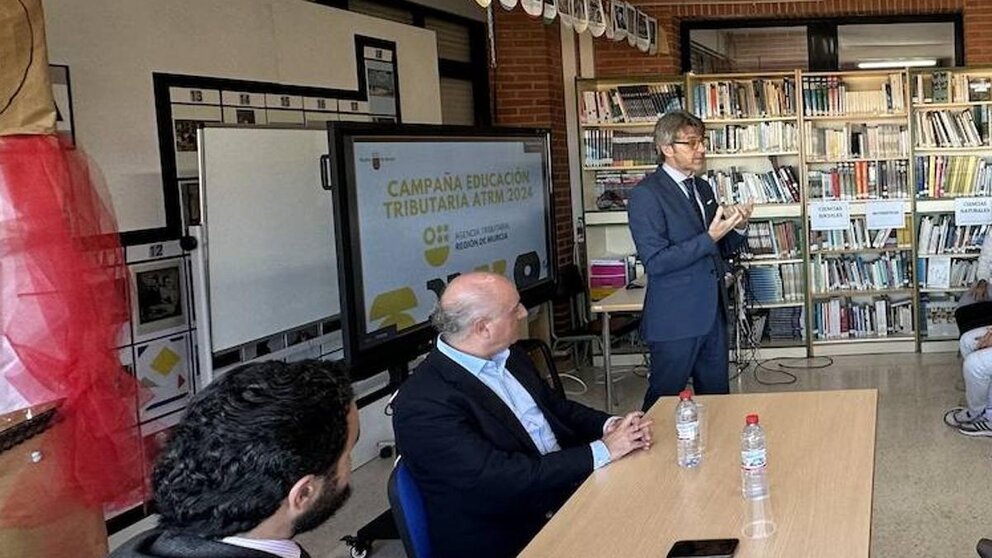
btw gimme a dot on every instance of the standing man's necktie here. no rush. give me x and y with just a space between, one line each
690 188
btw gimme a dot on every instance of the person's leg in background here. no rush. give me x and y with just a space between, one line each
671 365
710 370
977 373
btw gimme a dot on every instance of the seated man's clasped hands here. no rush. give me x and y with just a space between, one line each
494 451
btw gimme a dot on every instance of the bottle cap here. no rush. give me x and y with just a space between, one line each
686 394
752 418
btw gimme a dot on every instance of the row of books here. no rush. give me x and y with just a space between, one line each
944 176
859 237
888 270
945 273
606 148
765 137
753 98
830 95
860 180
938 235
938 317
769 284
952 128
630 103
945 87
620 182
778 185
845 319
766 239
856 141
786 324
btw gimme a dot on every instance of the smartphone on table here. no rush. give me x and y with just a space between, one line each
705 548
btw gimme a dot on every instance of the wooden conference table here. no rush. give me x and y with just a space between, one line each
821 454
623 300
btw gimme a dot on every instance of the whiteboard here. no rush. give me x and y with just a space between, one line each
271 261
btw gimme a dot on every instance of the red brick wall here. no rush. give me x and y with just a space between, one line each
528 91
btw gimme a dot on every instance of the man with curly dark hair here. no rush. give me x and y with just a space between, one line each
262 454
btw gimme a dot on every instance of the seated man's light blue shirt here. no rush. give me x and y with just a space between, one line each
493 374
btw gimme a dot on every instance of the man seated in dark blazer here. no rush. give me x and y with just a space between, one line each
682 234
493 449
263 453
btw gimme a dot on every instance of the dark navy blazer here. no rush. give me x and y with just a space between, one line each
487 489
682 262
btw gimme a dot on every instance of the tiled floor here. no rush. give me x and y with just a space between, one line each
933 486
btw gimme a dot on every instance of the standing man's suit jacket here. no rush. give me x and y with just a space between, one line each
486 487
682 262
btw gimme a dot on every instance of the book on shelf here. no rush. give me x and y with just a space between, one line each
777 136
856 140
786 324
946 273
843 318
859 237
606 148
952 127
938 273
766 239
940 176
860 180
830 96
630 103
938 317
778 185
937 234
775 283
942 86
744 98
868 272
619 182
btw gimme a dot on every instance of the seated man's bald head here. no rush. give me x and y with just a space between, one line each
471 304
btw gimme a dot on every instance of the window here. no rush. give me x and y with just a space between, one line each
926 44
757 49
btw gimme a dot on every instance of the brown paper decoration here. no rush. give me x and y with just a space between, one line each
26 104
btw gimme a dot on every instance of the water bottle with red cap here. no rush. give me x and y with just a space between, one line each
754 460
687 430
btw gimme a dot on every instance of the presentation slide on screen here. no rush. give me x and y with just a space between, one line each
430 209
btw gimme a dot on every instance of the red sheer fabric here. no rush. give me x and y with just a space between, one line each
62 304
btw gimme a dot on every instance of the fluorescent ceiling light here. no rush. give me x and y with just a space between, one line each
880 64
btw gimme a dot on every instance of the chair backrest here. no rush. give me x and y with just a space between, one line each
571 289
970 316
409 512
540 354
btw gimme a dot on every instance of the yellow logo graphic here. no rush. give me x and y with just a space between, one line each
389 307
436 240
165 361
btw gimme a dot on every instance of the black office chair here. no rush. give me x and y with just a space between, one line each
540 354
571 290
408 510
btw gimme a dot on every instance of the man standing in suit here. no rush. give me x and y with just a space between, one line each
262 454
494 451
682 235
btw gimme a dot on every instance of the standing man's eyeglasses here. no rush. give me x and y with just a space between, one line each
694 143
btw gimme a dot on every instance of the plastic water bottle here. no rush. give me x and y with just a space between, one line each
687 430
754 460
